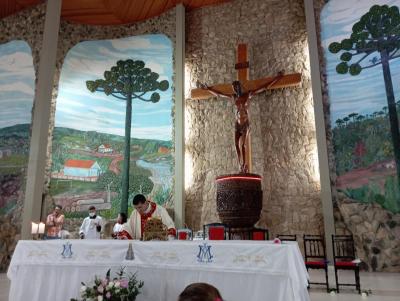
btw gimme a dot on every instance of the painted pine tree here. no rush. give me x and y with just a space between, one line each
127 81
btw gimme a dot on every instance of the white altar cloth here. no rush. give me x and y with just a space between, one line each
241 270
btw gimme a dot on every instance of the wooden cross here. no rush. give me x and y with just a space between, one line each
251 87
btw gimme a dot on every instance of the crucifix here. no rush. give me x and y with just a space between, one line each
241 91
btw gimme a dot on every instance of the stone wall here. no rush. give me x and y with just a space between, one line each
376 233
282 122
28 26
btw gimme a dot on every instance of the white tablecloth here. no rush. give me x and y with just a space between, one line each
241 270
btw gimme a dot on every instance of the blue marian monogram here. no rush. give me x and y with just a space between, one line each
204 253
67 250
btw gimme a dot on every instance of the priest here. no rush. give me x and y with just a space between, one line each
143 210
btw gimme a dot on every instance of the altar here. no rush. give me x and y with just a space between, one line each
241 270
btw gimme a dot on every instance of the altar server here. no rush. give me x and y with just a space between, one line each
91 226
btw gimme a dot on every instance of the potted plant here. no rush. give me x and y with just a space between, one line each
124 287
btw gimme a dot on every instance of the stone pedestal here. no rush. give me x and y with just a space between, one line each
239 199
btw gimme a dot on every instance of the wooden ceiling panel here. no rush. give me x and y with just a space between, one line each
9 7
146 9
82 4
107 12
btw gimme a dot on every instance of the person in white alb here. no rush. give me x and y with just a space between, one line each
91 226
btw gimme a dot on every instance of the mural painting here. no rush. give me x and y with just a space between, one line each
100 83
361 40
17 81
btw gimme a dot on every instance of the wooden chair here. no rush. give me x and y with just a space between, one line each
287 237
315 256
259 234
344 256
216 231
184 234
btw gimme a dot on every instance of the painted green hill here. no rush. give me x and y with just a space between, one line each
91 140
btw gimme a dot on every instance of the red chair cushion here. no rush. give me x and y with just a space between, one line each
258 235
216 233
345 264
182 235
316 264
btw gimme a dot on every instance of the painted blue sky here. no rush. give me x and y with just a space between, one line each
364 93
17 80
80 109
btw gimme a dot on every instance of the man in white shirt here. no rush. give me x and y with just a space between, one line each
91 226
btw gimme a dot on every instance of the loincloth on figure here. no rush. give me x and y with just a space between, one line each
242 128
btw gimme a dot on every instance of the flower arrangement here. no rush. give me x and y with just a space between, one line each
121 288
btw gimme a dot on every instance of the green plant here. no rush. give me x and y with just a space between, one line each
372 194
392 195
109 180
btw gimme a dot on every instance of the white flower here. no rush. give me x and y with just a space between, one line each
83 288
111 284
99 298
117 284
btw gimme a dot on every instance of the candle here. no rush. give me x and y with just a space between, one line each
41 228
34 228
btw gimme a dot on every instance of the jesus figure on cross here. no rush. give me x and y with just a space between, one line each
241 91
242 125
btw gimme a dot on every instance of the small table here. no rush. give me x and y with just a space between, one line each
241 270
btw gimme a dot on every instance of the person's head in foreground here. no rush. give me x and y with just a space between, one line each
200 292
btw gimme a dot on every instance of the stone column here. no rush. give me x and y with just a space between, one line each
326 194
179 116
41 119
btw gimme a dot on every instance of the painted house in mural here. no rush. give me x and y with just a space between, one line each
105 149
82 169
163 150
5 153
